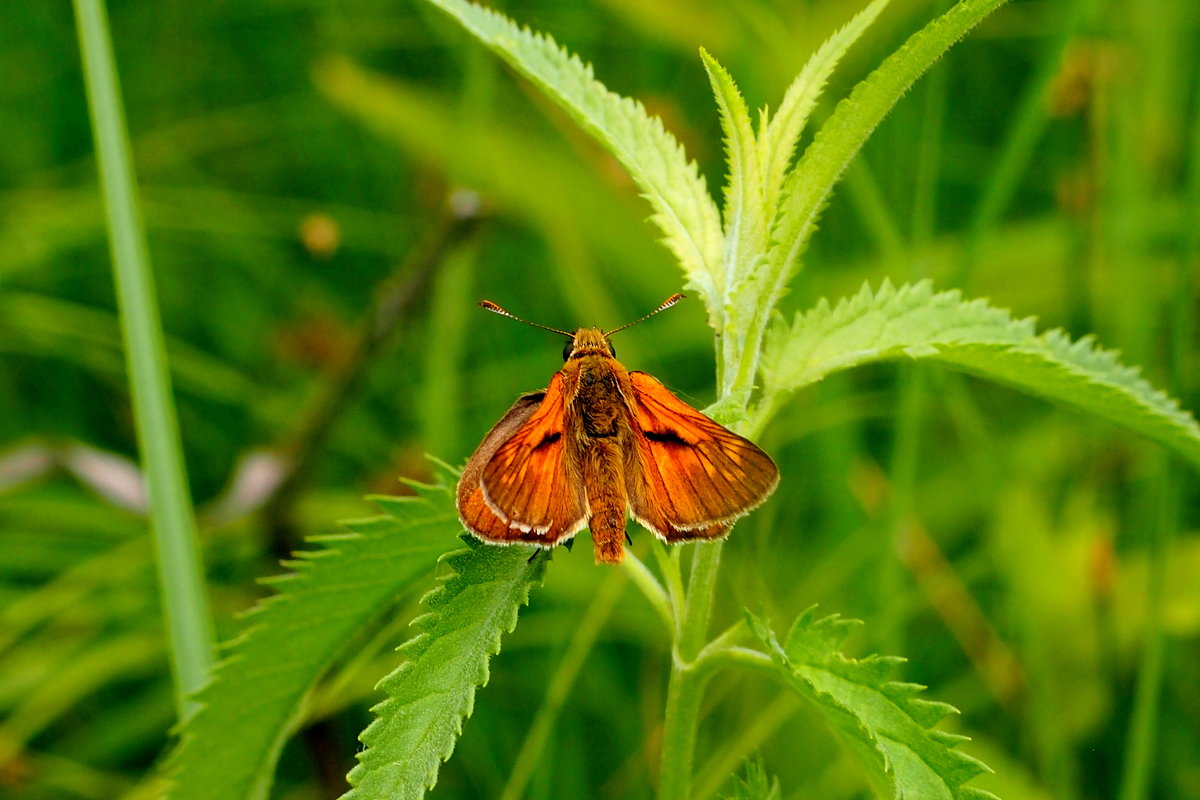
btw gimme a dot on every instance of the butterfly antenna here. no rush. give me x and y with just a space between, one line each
670 301
490 306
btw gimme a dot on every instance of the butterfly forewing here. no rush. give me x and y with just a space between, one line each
472 509
691 476
527 480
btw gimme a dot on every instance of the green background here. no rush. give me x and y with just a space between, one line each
296 161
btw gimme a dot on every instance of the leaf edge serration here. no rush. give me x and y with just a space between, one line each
451 586
913 321
203 737
812 647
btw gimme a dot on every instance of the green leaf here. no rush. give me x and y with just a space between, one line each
972 336
779 140
883 721
746 218
230 745
429 695
683 209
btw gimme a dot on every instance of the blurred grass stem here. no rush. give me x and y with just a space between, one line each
582 643
1141 742
180 572
1020 143
392 302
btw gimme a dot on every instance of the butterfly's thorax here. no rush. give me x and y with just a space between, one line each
600 387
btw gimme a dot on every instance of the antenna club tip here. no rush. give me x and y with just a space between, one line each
489 305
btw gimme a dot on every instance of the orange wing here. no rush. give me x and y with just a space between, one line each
520 485
691 477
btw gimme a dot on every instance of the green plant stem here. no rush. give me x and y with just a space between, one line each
700 588
685 689
748 657
668 562
180 572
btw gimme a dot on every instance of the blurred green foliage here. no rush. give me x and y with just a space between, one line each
1050 163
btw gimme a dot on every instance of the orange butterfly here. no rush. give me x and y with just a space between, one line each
600 441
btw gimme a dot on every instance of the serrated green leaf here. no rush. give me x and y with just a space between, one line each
746 218
429 696
882 720
972 336
683 208
255 699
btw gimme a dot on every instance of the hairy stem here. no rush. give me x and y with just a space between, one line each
644 579
686 687
684 693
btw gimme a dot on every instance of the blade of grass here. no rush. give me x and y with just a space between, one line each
181 575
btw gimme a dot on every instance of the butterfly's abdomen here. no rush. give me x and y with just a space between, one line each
604 481
602 435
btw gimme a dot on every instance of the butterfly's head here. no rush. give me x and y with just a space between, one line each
588 342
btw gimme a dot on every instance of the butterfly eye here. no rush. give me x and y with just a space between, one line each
567 348
612 351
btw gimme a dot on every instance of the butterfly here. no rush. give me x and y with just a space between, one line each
599 442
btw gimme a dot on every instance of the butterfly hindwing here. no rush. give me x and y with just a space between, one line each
689 477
